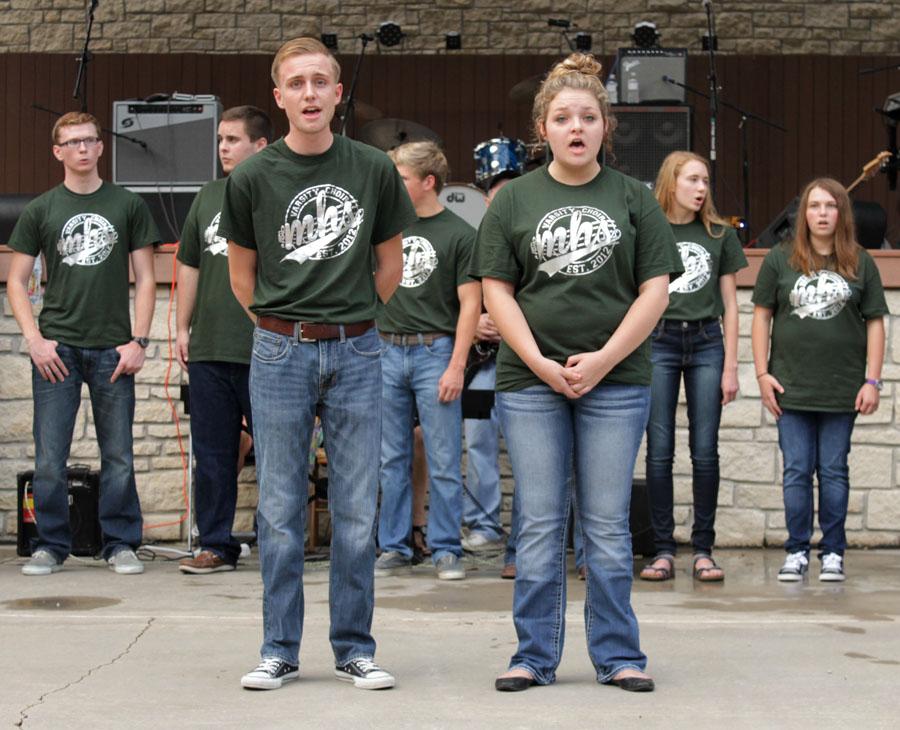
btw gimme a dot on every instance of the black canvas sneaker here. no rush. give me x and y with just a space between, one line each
365 674
271 673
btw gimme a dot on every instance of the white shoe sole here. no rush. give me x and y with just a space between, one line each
40 570
384 682
248 682
388 572
831 577
137 570
451 575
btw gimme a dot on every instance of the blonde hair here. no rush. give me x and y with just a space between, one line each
580 71
71 119
423 158
804 257
303 47
665 190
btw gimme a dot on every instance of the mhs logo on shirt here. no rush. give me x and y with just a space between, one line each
215 245
697 268
86 240
574 240
320 223
419 261
820 296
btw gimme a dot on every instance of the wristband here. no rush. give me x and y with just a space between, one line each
759 375
879 384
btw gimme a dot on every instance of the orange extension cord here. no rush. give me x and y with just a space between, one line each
172 404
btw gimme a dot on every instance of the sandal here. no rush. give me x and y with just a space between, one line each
710 573
653 572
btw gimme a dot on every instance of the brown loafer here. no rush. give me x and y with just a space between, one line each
508 572
205 562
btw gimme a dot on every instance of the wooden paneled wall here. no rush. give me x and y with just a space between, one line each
826 106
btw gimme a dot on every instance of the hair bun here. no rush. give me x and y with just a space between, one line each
583 63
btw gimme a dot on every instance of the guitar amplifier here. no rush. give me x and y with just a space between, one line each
84 521
641 72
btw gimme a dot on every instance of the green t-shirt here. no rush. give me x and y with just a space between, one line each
818 350
313 221
221 331
437 252
576 255
86 240
696 294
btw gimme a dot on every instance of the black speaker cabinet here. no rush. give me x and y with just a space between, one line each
169 207
870 220
645 135
84 521
643 73
169 142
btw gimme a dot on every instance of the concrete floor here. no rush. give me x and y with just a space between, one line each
86 648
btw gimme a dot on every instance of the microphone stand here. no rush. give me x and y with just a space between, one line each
713 91
84 59
745 155
349 104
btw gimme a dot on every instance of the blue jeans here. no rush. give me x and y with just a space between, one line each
604 427
410 375
483 470
815 441
55 409
694 350
287 380
220 398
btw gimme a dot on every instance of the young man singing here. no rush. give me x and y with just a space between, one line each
308 220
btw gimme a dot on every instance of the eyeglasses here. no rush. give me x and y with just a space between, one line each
76 143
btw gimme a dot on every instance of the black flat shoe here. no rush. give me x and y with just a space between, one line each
634 684
513 684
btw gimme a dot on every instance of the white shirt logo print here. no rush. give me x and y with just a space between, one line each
87 240
574 240
215 245
822 295
697 263
320 223
419 261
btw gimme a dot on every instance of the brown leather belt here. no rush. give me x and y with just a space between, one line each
419 338
312 331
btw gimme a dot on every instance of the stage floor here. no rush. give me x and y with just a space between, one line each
86 648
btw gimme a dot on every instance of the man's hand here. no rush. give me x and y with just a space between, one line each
182 340
131 359
450 385
486 330
47 360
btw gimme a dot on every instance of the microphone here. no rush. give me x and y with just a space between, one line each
669 79
366 37
559 23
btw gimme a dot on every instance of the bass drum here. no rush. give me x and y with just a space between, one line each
467 201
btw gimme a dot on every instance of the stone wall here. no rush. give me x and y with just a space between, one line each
750 503
228 26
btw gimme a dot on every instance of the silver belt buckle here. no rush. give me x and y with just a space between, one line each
299 333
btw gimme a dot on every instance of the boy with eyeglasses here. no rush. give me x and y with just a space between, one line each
88 230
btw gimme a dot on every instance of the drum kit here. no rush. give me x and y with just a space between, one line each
499 156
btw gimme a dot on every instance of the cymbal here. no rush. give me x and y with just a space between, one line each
385 134
362 110
524 91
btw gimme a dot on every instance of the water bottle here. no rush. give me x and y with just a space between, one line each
633 94
612 89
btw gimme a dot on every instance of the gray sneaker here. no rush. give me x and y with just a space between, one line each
449 567
43 562
476 542
125 562
392 563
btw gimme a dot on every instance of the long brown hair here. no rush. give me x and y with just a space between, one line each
845 258
580 71
665 191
